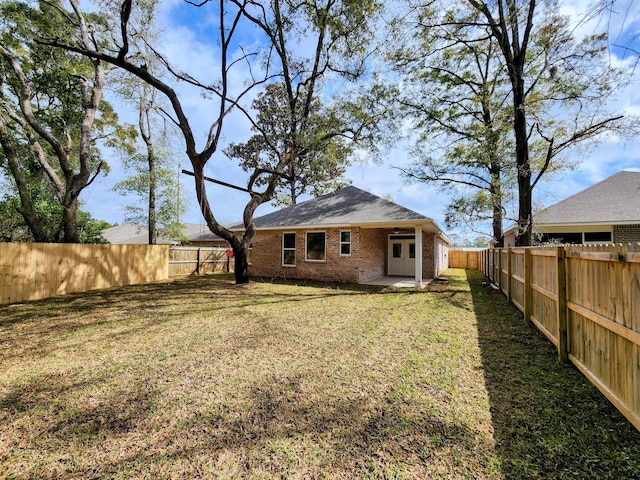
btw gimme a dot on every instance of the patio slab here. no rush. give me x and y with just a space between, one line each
399 282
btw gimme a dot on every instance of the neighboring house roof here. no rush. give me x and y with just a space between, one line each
614 200
200 232
129 233
349 206
126 233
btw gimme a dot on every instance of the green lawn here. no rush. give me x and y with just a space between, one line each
203 378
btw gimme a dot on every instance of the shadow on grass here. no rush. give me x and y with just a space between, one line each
549 421
277 434
136 308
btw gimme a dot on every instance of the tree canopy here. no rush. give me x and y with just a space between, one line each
338 30
497 93
321 155
52 117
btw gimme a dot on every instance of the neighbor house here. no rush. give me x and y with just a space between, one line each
196 234
349 236
606 212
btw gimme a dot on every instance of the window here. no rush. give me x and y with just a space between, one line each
316 246
572 238
289 249
345 243
397 250
599 237
412 250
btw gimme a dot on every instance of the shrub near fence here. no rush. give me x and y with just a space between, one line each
586 300
32 271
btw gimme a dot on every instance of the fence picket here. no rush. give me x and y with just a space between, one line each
32 271
586 300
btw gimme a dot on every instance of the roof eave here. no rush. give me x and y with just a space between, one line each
430 225
577 224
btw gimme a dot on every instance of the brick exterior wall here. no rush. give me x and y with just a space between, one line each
626 233
368 259
428 255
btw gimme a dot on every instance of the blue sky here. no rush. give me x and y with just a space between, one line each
187 44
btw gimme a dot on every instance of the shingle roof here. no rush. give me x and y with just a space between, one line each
133 233
126 233
347 206
613 200
199 231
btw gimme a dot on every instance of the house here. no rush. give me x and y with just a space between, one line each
349 236
133 233
199 235
606 212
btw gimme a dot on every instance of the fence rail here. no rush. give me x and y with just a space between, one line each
586 301
199 261
32 271
467 259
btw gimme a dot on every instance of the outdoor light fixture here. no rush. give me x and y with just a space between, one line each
396 230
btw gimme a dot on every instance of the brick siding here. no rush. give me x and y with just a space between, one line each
626 233
368 259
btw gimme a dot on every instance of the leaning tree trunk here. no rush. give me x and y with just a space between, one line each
26 208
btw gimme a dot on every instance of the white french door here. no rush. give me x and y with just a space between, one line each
402 255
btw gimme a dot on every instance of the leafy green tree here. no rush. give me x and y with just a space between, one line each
321 155
91 229
453 89
12 226
559 89
154 183
14 229
506 90
51 112
168 206
339 31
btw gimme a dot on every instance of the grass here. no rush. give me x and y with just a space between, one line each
203 378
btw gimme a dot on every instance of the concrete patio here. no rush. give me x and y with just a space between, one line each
399 282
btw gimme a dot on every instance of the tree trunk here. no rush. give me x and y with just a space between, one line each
496 202
523 234
69 222
26 208
241 267
153 238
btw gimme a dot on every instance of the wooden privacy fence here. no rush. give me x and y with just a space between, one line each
32 271
467 259
199 260
586 300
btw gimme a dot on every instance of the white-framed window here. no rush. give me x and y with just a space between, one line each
345 243
316 246
288 249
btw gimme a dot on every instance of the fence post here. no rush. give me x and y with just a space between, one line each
198 262
499 280
493 265
561 289
488 260
509 274
527 284
485 262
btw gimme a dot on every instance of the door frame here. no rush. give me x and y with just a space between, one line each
406 263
